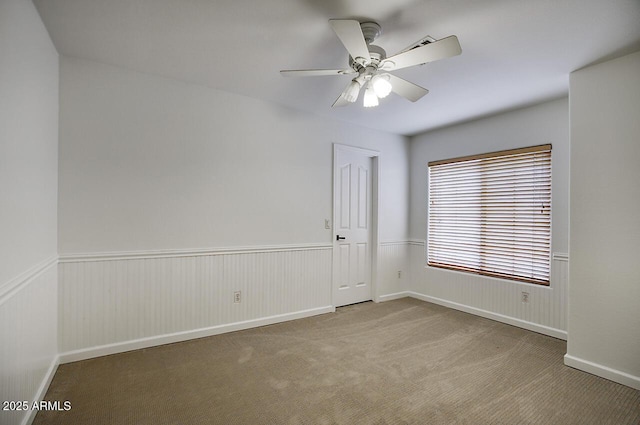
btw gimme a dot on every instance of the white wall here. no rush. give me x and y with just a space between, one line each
604 305
28 140
28 205
496 298
180 174
151 163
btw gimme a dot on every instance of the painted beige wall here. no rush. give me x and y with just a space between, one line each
604 289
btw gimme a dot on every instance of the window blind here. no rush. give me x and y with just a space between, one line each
491 214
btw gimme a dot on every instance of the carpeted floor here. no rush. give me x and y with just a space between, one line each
399 362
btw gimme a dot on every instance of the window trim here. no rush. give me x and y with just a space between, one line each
460 268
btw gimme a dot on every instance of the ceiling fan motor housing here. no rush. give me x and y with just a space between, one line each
377 53
370 31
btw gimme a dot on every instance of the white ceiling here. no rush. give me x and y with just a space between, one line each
515 52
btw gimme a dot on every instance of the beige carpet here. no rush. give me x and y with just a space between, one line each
399 362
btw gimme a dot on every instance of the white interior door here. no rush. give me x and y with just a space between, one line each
352 227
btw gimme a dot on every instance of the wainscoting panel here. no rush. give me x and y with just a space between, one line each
127 299
393 257
499 299
28 344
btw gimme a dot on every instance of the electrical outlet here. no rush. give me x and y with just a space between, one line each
399 274
237 296
525 297
327 223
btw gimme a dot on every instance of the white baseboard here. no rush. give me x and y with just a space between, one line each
556 333
395 296
42 390
121 347
603 371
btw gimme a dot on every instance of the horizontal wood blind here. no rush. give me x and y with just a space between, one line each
491 214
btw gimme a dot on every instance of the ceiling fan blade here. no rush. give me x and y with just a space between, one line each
315 72
440 49
406 89
350 33
340 101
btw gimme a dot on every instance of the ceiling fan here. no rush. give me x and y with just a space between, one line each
372 66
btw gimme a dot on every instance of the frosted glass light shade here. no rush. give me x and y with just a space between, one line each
351 94
381 86
370 98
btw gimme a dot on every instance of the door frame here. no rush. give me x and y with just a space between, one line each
375 185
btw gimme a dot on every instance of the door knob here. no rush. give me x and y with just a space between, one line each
339 238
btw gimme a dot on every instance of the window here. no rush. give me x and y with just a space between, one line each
490 214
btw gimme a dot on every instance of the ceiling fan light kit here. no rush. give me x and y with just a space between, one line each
352 91
381 85
370 98
371 64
